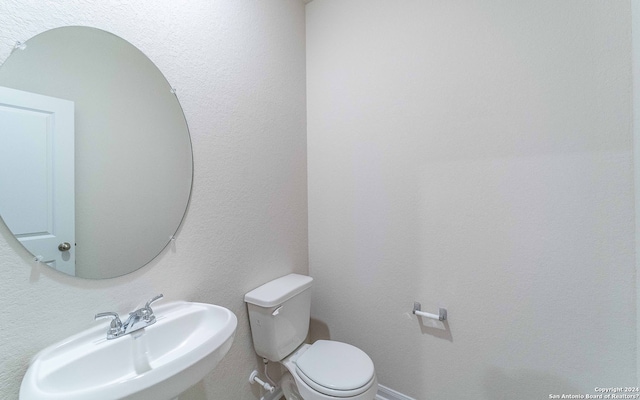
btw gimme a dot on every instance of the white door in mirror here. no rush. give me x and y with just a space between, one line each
37 198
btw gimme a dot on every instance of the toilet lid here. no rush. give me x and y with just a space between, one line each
336 368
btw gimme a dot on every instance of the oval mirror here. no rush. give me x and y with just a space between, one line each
96 155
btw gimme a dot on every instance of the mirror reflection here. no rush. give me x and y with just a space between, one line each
97 166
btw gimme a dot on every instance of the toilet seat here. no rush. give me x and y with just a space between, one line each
336 369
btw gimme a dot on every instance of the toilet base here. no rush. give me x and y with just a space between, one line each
289 388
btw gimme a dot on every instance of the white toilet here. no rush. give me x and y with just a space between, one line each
279 315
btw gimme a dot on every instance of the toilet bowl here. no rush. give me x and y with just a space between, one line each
279 314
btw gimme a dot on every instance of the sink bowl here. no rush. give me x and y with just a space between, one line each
157 362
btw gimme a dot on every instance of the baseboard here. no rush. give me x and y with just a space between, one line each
384 393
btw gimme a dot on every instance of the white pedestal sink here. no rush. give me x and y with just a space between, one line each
157 362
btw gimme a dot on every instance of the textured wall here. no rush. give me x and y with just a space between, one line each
239 68
475 155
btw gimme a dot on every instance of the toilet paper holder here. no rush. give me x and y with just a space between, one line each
441 316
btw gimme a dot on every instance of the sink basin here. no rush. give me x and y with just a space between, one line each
157 362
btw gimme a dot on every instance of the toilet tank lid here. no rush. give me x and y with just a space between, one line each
278 290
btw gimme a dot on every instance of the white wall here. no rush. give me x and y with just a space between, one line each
478 156
239 68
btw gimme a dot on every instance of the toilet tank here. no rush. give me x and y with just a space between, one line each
279 315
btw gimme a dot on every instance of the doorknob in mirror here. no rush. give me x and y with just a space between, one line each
66 246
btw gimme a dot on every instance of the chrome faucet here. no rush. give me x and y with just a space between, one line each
137 320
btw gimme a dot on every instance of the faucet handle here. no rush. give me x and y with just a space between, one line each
156 298
147 311
116 318
115 328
